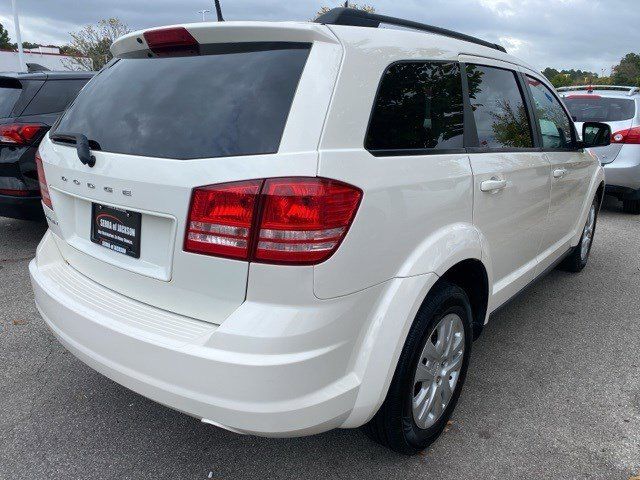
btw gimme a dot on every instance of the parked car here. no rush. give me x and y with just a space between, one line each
619 108
30 103
284 228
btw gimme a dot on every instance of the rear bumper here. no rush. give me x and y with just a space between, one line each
302 378
624 171
22 208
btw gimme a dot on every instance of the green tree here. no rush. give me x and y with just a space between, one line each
5 41
550 73
561 80
366 8
93 42
627 72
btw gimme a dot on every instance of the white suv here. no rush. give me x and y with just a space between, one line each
284 228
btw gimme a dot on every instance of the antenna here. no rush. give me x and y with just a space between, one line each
346 4
219 11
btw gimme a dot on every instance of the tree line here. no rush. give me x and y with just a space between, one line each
626 73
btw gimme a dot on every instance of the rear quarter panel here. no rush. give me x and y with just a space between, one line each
416 212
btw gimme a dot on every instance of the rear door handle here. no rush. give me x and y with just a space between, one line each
493 185
559 173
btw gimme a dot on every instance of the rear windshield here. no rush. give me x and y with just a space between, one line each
600 109
232 102
9 94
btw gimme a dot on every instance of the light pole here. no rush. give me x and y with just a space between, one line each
16 24
203 12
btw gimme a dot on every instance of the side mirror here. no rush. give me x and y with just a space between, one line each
595 134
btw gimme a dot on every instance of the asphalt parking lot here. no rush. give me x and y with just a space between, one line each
553 393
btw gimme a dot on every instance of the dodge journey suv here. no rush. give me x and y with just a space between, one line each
284 228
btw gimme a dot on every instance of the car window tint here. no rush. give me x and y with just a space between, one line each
9 95
419 106
498 107
555 125
594 108
54 96
233 100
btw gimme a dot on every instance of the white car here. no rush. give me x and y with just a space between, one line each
285 228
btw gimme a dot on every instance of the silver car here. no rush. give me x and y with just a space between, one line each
619 108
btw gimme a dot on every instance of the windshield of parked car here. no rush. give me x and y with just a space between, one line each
594 108
234 102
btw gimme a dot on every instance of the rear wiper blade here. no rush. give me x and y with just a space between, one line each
72 139
63 137
83 145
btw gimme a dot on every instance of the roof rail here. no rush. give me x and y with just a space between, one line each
590 88
359 18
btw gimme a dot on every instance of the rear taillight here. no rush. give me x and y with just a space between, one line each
304 219
20 133
295 221
172 42
630 136
16 193
44 188
220 219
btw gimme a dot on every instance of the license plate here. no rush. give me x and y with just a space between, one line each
116 229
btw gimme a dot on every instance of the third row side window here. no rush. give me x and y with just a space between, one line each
498 107
419 107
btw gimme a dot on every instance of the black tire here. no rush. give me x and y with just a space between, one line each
393 425
631 206
575 262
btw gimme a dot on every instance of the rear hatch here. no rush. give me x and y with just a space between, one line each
618 112
245 101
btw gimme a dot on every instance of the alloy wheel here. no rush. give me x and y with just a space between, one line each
438 371
587 234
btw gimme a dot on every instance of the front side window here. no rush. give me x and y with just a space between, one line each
234 101
555 125
419 107
498 108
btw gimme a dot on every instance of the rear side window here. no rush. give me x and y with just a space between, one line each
594 108
419 107
555 125
498 107
9 95
234 101
54 96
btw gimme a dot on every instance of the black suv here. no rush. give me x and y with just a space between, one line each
30 103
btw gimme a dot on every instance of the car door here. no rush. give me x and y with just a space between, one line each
570 168
511 175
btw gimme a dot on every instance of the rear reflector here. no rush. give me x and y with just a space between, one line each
630 136
20 133
44 188
295 221
172 42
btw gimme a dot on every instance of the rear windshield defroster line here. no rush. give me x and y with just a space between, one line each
232 101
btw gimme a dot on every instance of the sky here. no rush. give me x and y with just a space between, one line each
582 34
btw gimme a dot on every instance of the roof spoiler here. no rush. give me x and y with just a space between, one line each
590 88
360 18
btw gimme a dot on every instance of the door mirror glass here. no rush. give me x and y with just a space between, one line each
596 134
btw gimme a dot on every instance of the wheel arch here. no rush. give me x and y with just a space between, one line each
404 300
472 277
